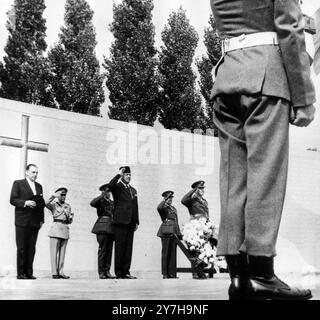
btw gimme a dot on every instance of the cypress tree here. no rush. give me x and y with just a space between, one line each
181 103
76 79
24 75
131 67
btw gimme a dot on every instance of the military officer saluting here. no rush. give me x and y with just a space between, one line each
262 83
198 208
59 233
194 201
167 230
103 229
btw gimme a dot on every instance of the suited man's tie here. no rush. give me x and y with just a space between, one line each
128 188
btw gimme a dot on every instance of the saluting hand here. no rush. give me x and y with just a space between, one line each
302 117
121 171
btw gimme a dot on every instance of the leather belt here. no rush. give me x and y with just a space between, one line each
58 220
249 40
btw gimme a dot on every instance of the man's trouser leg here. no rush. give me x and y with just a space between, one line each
165 241
54 247
120 234
128 249
254 161
31 242
21 250
172 263
62 255
109 249
102 252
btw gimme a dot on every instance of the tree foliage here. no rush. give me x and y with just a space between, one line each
24 74
131 67
205 67
76 79
181 103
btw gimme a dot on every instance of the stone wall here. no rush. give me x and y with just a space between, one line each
80 152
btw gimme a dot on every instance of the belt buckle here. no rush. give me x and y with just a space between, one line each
242 37
225 45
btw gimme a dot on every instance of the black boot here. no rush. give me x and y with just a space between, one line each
263 284
237 266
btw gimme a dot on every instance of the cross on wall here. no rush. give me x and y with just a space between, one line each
24 144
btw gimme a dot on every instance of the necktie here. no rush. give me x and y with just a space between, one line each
128 188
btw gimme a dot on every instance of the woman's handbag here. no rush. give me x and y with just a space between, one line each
104 224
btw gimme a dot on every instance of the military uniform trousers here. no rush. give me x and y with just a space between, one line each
253 138
59 236
105 242
169 256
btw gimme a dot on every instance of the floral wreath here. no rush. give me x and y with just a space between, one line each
196 233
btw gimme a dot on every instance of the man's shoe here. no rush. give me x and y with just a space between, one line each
55 276
165 276
108 275
201 276
102 276
236 289
129 276
260 288
63 276
237 266
172 277
31 277
22 277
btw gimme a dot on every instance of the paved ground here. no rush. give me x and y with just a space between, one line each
82 288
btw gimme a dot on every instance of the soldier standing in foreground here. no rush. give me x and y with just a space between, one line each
262 83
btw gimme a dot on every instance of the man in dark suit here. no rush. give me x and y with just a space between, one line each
126 221
262 83
26 196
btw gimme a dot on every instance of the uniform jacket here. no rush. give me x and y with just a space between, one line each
60 211
26 216
195 205
125 202
168 212
104 207
282 71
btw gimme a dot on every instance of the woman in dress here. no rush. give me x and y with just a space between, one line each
59 231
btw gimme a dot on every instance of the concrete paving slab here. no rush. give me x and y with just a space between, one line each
80 288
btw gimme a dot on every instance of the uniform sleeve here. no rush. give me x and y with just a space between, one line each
49 203
95 202
162 211
113 184
69 214
187 199
289 26
49 206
